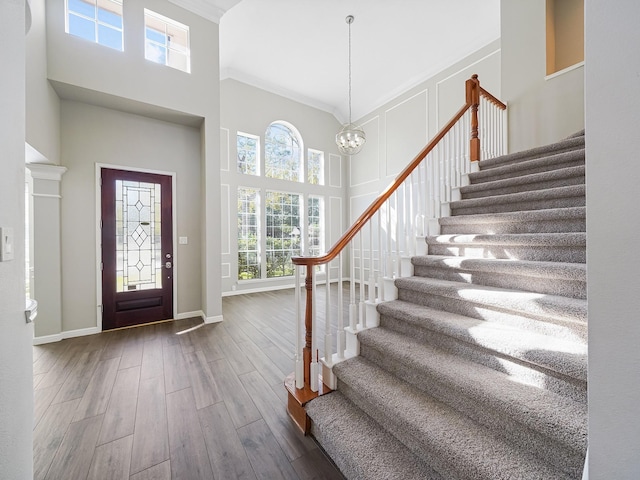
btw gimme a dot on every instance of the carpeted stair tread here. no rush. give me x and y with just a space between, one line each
554 247
557 197
490 397
554 220
457 447
558 278
534 181
566 145
565 271
532 304
568 358
490 172
361 449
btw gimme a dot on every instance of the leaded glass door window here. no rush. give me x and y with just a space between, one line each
137 248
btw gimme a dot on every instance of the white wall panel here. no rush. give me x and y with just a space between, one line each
224 149
406 131
365 166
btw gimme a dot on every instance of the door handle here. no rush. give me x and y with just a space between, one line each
167 265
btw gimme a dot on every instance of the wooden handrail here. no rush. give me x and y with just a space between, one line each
492 99
344 240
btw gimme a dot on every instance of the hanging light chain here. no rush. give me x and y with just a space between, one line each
349 22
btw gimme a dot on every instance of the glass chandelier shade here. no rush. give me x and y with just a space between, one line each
351 138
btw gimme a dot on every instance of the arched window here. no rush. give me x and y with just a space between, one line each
283 152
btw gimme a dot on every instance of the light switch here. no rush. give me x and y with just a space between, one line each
6 244
183 240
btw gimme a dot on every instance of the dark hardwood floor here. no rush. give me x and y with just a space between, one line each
179 400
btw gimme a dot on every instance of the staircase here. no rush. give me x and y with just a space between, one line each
479 369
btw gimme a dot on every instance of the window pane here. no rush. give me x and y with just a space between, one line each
155 53
315 233
248 234
315 167
138 247
156 36
88 9
282 153
178 38
109 37
82 27
283 237
178 60
247 147
110 18
167 41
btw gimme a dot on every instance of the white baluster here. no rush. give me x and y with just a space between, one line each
340 336
363 314
313 374
372 279
328 344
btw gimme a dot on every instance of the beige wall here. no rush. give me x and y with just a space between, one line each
541 110
92 135
105 89
16 356
42 103
613 106
398 130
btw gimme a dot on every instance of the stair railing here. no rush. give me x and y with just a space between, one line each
380 243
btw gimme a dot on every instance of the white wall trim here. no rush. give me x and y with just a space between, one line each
41 171
227 157
377 154
466 67
64 335
333 156
46 195
183 315
174 226
565 70
214 319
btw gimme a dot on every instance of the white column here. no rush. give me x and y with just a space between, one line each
47 264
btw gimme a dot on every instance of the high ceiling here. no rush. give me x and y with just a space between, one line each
299 48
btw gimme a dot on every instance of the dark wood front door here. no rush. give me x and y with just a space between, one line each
137 248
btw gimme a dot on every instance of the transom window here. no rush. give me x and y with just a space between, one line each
166 41
315 167
283 152
99 21
248 154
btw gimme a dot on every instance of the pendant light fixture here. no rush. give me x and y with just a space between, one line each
350 138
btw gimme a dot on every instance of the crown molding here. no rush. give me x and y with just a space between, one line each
210 9
41 171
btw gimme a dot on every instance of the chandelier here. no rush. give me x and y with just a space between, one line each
350 138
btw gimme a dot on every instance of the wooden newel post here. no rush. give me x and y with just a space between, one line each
473 98
308 326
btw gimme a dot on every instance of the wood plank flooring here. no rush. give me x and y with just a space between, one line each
177 400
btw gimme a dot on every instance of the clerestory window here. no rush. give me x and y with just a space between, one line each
98 21
283 152
166 41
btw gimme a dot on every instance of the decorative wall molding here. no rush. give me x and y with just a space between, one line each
41 171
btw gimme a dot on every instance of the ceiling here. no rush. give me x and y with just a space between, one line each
299 48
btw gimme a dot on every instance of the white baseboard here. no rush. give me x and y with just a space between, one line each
197 313
64 335
214 319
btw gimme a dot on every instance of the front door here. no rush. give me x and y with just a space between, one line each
137 248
